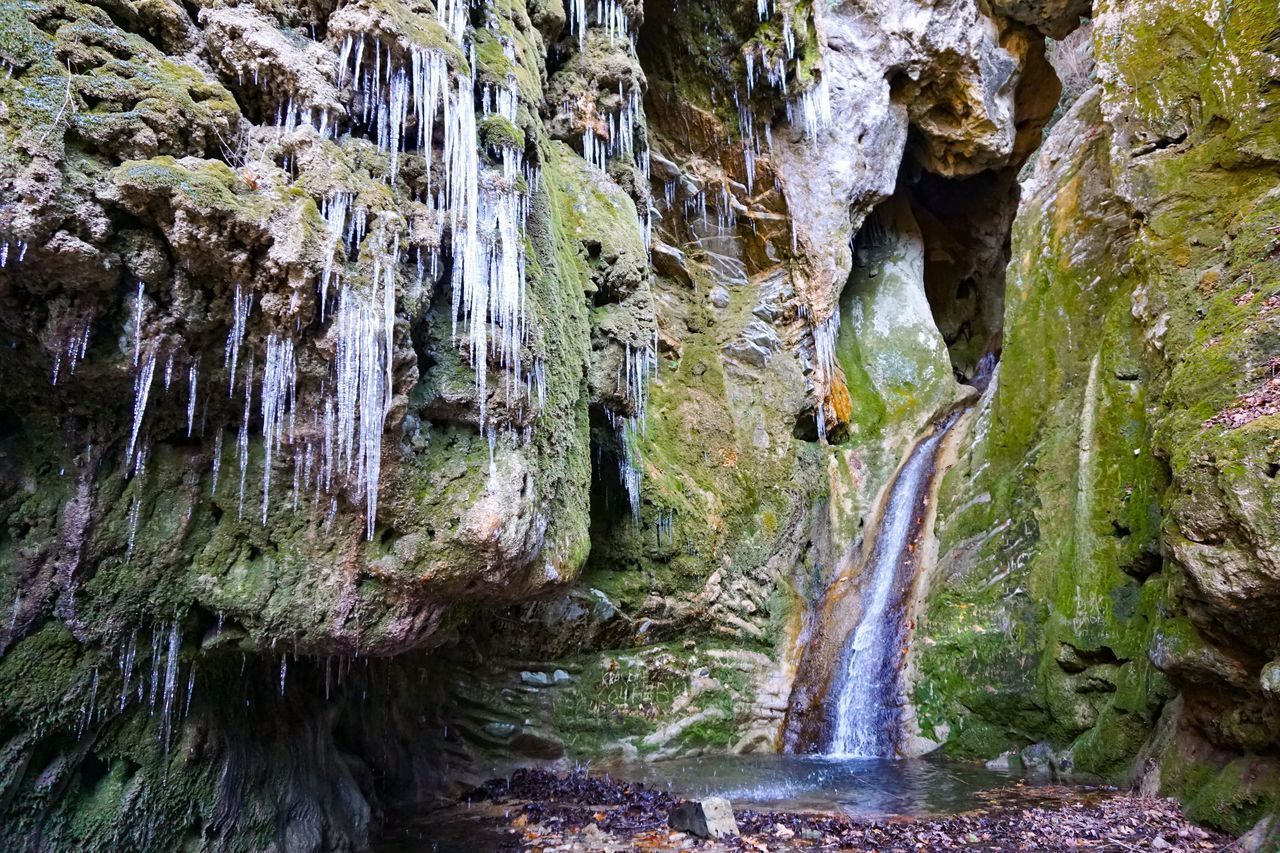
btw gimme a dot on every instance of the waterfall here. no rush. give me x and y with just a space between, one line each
867 686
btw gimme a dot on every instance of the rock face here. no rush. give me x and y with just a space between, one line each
298 370
1108 538
391 384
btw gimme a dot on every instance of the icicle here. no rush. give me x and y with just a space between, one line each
192 374
240 307
242 440
814 110
191 687
126 663
137 325
335 217
217 460
279 378
135 506
170 684
493 465
141 390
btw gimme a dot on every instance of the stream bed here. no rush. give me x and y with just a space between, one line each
795 802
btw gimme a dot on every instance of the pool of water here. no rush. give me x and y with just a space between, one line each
874 788
864 787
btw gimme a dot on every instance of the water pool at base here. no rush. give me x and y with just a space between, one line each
868 788
862 787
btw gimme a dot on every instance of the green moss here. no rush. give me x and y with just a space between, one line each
1122 340
400 23
497 133
492 63
630 695
1240 795
1062 506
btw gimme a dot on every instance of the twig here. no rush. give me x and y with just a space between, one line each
66 102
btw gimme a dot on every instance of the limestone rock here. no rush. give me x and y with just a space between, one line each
709 818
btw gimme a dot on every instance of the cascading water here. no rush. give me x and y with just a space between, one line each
866 687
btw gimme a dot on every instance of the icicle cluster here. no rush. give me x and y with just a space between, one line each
638 365
145 678
19 245
664 530
613 135
389 95
403 102
608 16
489 263
72 347
363 383
811 110
485 208
824 352
697 210
751 148
344 432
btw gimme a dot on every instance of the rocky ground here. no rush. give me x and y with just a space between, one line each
535 810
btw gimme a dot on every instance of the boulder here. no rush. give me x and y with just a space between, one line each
709 818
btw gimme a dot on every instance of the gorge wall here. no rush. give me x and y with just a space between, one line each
1108 534
395 390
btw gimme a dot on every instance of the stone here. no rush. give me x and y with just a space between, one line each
709 818
501 730
1261 838
1037 758
561 677
756 346
535 679
671 262
593 838
1270 679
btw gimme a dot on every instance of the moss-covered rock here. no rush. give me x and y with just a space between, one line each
1117 494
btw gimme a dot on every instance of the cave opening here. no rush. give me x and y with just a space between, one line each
966 223
609 505
961 226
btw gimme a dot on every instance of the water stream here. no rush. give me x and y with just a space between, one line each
866 689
